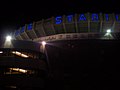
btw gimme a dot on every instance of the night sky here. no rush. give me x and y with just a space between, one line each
17 13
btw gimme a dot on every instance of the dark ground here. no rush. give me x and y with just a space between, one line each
85 64
82 65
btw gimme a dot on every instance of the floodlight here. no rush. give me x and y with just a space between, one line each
43 43
8 38
108 31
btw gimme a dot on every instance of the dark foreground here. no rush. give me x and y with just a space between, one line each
81 65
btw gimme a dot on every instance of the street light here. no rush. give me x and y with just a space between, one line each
44 50
8 43
108 31
43 43
8 38
108 34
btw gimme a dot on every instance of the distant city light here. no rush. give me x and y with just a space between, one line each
8 38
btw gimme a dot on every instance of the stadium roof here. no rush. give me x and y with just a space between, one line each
89 24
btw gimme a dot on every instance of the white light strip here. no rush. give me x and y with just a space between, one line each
23 55
20 54
13 52
17 53
19 70
22 70
1 51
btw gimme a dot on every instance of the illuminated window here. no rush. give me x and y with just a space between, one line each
20 54
17 71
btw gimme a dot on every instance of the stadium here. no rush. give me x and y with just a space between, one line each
76 49
70 27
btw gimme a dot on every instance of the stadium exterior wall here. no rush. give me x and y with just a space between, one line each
78 23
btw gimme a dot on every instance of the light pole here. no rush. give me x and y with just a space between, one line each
45 51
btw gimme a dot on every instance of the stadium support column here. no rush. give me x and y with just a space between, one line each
26 32
76 23
43 27
88 22
53 25
64 24
114 22
101 22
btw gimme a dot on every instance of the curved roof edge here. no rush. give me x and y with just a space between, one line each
77 23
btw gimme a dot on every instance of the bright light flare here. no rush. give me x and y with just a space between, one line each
43 43
108 31
19 70
1 51
20 54
8 38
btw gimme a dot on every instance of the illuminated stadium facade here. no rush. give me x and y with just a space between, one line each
78 26
73 43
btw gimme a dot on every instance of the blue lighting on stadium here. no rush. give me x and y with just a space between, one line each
69 18
17 32
106 17
58 20
29 26
82 17
95 17
22 29
117 18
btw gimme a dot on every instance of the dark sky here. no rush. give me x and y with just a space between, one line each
16 13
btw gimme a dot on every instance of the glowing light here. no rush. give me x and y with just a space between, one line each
29 27
95 17
108 34
19 70
22 70
43 43
69 18
108 31
1 51
20 54
82 17
58 20
23 55
8 38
